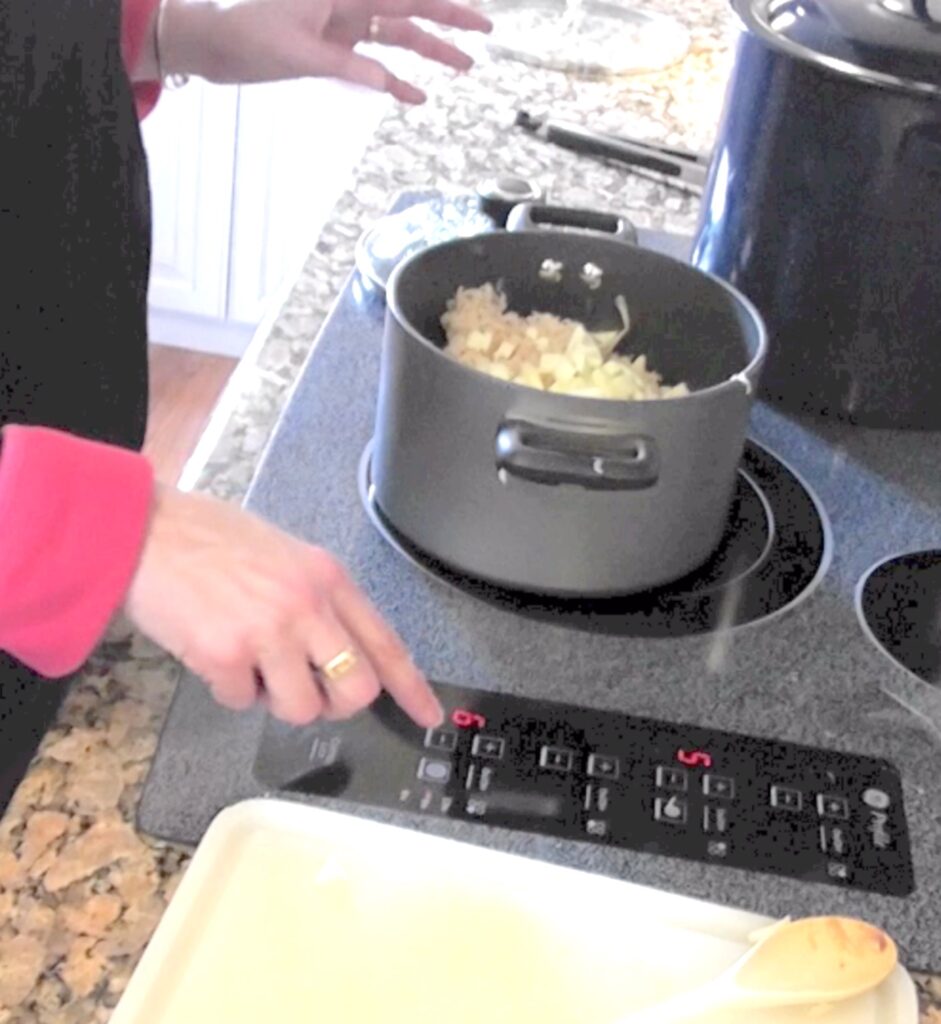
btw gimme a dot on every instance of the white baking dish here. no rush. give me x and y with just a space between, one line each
273 920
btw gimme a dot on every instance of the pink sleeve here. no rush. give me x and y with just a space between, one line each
136 17
73 517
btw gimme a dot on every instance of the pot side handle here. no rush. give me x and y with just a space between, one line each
532 216
553 456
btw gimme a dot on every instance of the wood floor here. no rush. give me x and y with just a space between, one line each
184 388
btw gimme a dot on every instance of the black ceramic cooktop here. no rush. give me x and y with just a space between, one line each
776 642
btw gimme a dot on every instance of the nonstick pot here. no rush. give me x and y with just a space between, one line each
553 493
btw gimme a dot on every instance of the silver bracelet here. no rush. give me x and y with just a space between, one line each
175 81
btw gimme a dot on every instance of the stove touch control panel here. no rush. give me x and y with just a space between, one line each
604 777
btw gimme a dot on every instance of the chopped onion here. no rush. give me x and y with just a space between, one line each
546 352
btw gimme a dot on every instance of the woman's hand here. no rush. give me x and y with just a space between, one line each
269 40
251 610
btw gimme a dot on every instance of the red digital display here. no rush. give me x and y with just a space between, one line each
468 719
694 758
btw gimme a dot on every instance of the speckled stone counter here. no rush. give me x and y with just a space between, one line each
80 890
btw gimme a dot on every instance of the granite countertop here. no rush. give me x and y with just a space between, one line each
80 890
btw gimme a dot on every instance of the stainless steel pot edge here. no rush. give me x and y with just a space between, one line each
746 378
845 69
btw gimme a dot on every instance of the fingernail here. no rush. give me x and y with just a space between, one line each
433 716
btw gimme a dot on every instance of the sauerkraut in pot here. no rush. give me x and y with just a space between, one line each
547 352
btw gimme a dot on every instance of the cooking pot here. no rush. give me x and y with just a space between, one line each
823 203
555 493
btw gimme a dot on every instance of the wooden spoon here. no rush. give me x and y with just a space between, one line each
815 960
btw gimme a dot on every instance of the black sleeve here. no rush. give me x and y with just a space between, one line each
74 223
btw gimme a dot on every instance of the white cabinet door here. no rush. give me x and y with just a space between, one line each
190 143
242 181
298 144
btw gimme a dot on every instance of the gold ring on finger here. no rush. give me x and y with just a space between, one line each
339 666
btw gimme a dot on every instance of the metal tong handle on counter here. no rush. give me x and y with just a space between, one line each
685 168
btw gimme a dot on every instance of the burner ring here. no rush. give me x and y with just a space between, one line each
768 571
744 557
898 604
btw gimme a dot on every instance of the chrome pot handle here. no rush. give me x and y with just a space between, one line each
597 462
532 216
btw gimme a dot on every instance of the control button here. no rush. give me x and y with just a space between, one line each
476 807
488 746
669 777
604 766
404 796
718 848
833 840
877 799
486 776
715 818
783 798
426 799
556 759
597 798
838 871
720 787
446 802
444 740
670 810
324 750
596 827
430 770
831 806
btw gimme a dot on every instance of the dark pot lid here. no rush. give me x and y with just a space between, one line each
895 43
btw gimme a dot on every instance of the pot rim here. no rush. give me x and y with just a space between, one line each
747 377
758 27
